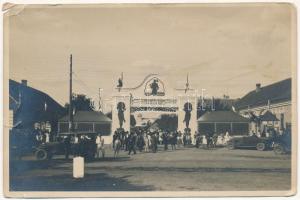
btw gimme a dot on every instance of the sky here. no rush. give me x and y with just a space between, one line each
225 49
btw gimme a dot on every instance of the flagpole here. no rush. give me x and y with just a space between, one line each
70 99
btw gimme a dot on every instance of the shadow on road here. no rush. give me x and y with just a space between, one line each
21 166
195 169
91 182
18 167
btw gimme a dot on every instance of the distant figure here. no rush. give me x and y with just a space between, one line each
226 137
146 148
154 86
187 109
209 140
263 134
121 108
184 139
258 133
131 143
203 138
120 83
140 142
160 139
222 138
165 140
100 146
215 140
67 146
117 147
39 138
179 139
173 140
47 137
154 143
198 140
76 145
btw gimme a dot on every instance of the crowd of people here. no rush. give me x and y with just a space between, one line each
31 138
148 141
141 140
145 140
138 140
211 140
268 132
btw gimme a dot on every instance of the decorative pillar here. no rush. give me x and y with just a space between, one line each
121 107
182 101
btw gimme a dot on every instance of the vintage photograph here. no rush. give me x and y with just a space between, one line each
150 98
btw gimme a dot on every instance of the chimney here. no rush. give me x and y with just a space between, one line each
258 87
24 82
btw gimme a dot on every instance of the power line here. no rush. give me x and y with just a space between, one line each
94 94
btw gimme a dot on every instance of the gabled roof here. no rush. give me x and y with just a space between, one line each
87 116
275 93
222 116
31 105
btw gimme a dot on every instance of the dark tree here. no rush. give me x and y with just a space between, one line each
81 103
167 122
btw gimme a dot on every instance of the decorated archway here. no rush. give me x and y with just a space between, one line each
153 95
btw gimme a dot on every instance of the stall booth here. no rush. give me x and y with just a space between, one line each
221 122
87 121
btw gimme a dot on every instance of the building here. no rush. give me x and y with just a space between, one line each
270 104
87 121
214 104
30 108
223 121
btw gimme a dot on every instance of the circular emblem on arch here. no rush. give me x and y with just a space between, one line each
154 87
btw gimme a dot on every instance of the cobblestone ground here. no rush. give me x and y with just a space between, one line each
184 169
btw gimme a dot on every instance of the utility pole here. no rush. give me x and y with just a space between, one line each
70 99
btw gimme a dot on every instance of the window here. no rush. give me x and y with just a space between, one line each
85 127
223 127
104 129
240 129
204 128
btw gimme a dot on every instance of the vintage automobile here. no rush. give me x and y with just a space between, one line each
260 144
21 143
86 148
283 144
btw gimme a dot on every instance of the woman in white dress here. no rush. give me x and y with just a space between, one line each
227 137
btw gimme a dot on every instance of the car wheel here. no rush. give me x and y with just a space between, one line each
278 149
261 146
230 145
41 154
